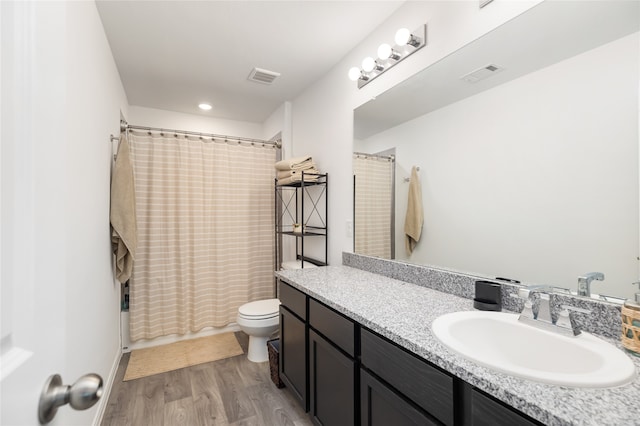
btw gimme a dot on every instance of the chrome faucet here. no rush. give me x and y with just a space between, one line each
584 282
544 304
544 319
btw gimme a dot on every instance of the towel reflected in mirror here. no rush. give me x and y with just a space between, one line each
414 218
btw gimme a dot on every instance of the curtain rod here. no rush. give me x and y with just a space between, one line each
125 126
385 157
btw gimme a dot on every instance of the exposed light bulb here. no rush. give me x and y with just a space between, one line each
204 107
384 51
354 73
403 36
368 64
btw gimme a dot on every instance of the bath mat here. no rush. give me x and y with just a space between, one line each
160 359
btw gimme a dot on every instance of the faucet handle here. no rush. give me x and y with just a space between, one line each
564 320
527 311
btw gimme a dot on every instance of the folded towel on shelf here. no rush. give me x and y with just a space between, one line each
288 173
297 178
297 163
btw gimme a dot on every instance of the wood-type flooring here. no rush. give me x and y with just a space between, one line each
232 391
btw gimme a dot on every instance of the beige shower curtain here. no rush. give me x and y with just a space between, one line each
205 213
373 205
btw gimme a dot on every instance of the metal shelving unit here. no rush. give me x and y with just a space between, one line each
303 203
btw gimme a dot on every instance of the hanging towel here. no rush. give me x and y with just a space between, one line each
124 237
415 216
298 163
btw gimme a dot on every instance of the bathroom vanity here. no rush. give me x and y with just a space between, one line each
357 348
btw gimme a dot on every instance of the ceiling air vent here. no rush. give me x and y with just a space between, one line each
260 75
481 73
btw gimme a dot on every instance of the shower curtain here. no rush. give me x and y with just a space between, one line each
205 214
373 205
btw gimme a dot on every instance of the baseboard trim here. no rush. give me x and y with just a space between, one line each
107 386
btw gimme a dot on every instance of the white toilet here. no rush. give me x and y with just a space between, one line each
259 320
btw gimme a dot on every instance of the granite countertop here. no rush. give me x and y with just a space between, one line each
403 313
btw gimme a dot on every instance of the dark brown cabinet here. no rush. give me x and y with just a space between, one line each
332 366
486 411
332 383
380 405
317 358
293 355
429 388
345 374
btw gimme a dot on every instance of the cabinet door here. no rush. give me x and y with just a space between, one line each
380 406
293 355
485 411
427 386
332 379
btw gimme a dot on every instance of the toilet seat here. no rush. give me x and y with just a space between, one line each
260 309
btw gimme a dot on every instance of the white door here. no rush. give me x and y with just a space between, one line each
32 274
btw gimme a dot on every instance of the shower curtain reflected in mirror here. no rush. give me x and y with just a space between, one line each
205 231
374 185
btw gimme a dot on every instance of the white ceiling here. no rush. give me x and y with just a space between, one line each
173 55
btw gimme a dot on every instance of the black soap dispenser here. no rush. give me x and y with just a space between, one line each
488 296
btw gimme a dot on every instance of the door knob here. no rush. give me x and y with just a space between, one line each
85 392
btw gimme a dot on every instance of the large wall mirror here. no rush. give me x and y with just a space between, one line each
529 168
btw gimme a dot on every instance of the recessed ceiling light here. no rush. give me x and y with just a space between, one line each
204 107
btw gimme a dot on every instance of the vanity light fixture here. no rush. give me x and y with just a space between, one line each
407 43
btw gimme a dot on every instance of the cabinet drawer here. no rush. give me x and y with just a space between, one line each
425 385
485 411
294 300
334 326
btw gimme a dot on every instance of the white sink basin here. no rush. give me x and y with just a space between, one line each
500 342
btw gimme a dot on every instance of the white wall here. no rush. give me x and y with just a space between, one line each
323 114
61 103
151 117
95 98
280 122
542 170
